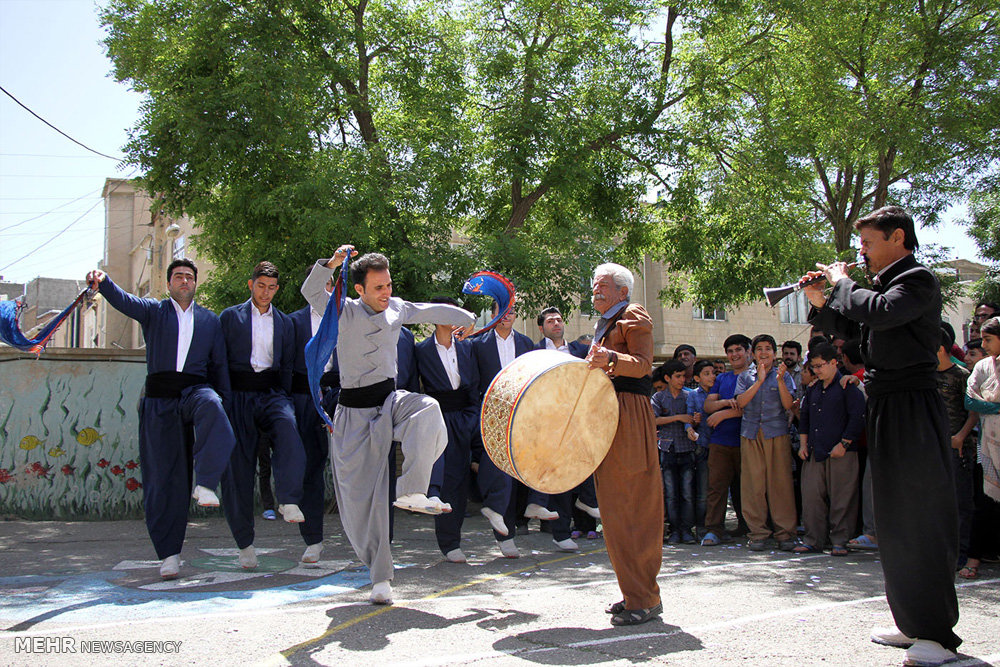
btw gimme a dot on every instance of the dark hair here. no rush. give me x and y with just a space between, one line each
673 366
989 304
852 350
682 347
702 364
887 220
657 374
816 340
794 344
445 299
974 344
265 269
548 311
372 261
824 351
736 339
184 261
763 338
947 336
991 327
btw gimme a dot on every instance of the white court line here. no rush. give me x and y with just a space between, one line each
710 627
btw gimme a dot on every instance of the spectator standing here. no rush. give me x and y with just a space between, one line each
704 374
676 451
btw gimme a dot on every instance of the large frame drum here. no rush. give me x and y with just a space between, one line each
548 420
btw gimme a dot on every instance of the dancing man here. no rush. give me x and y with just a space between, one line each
371 413
186 373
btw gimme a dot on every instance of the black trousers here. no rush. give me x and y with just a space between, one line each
916 514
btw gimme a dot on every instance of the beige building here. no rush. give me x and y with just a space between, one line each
138 246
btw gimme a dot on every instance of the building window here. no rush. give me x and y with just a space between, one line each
710 314
180 243
794 308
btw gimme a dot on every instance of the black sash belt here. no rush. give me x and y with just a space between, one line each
372 396
453 400
641 386
170 384
250 381
300 382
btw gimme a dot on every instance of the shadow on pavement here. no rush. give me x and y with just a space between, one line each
584 646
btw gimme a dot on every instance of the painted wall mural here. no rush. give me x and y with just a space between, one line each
69 444
69 432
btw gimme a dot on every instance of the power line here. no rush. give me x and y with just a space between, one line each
78 143
18 224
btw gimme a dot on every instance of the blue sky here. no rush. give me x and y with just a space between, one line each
51 214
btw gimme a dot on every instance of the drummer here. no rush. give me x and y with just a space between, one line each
628 483
493 351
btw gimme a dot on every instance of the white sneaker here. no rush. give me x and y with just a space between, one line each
891 636
567 545
509 549
205 497
495 519
312 552
291 513
248 558
535 511
171 567
592 511
927 653
418 502
456 556
381 593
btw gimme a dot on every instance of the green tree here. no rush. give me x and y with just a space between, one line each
840 107
984 227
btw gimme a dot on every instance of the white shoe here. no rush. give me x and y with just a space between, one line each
509 549
312 552
567 545
927 653
205 497
381 593
456 556
291 513
891 636
171 567
418 502
592 511
535 511
248 558
495 519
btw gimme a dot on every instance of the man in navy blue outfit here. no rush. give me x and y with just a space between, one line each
450 376
182 424
493 351
260 346
584 496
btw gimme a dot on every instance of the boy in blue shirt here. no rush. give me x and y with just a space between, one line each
676 451
704 377
764 393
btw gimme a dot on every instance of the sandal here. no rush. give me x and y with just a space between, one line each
969 572
863 542
615 608
839 551
636 616
805 549
710 540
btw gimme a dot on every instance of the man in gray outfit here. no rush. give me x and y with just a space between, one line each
371 413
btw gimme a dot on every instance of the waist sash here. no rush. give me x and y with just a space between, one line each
371 396
452 400
642 386
170 384
251 381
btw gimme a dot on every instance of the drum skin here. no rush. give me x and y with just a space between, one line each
548 420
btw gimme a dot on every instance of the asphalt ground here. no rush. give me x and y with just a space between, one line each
89 593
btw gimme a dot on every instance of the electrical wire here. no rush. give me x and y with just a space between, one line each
18 224
78 143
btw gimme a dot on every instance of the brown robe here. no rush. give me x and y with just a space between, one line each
629 486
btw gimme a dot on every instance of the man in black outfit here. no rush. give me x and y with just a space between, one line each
908 435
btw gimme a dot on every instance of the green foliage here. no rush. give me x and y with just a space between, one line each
984 227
